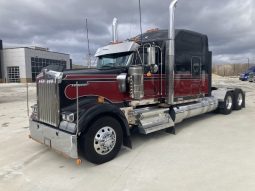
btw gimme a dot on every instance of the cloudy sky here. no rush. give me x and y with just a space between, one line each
60 25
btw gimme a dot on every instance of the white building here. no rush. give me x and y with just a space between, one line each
25 63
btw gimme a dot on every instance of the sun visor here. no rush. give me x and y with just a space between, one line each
117 48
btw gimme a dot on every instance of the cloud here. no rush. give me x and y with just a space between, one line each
60 25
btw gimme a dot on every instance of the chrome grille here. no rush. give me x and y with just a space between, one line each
48 101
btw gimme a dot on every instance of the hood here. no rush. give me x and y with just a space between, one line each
95 71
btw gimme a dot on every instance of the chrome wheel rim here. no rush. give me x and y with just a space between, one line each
240 99
229 102
104 140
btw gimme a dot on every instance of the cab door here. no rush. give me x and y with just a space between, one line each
151 74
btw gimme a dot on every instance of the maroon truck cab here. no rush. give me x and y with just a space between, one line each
192 71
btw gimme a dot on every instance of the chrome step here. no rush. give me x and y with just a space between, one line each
153 119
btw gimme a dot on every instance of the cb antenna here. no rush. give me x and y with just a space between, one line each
89 54
140 14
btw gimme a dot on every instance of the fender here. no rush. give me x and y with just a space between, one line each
95 110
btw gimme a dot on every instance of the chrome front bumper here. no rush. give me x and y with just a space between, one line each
56 139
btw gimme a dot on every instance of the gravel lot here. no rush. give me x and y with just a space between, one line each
209 152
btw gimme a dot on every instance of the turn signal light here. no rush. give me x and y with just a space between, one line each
78 162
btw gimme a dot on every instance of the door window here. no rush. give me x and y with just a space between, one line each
196 66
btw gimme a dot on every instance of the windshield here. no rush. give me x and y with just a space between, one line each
113 60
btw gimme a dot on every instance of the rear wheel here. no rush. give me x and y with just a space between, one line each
238 99
226 107
103 140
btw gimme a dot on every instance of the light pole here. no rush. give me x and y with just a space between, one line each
89 55
248 63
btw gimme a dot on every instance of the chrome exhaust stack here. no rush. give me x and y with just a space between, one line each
115 30
171 54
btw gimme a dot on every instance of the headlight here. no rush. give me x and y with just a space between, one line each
34 114
34 108
68 117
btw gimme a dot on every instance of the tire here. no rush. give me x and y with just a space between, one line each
226 107
103 140
238 99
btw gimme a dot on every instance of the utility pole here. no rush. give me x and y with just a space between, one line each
89 54
140 20
248 63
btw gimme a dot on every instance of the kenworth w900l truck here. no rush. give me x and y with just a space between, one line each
151 83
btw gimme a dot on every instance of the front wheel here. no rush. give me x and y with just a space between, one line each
103 140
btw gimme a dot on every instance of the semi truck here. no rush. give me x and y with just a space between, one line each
148 83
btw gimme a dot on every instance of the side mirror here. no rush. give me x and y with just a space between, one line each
151 53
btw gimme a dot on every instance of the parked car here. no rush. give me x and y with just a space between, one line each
245 75
251 77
